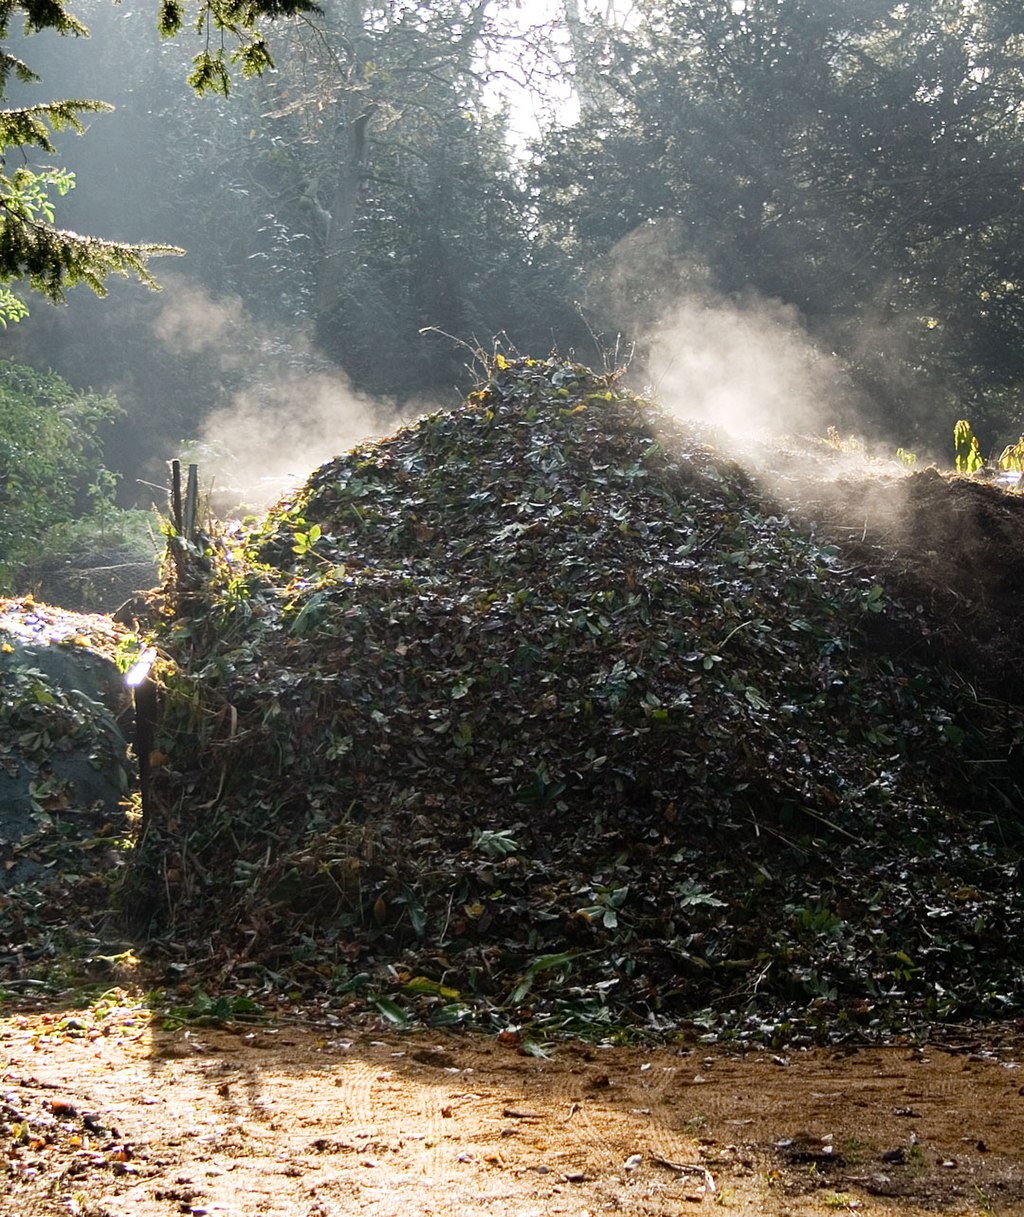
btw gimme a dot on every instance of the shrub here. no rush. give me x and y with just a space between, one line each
49 457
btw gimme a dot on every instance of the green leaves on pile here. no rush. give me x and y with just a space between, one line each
553 682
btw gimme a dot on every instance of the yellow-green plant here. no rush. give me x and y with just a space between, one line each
907 459
968 451
852 443
1012 457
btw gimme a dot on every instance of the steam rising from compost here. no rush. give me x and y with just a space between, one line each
746 366
273 436
742 363
292 412
191 321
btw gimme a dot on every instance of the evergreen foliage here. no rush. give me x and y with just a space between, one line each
32 248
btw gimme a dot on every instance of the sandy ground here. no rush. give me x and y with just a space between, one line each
106 1112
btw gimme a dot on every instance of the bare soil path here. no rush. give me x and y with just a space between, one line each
105 1112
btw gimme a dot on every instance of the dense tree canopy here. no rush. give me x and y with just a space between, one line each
363 189
32 248
860 162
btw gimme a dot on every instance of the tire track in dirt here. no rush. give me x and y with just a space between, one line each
290 1123
605 1131
356 1082
424 1109
501 1129
399 1111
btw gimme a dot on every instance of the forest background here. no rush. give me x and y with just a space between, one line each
802 212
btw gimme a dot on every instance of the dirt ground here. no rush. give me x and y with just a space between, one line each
107 1112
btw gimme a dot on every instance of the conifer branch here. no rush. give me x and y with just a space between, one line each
31 125
53 259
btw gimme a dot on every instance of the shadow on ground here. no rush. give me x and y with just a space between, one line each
109 1111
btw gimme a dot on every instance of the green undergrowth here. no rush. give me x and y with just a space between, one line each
537 711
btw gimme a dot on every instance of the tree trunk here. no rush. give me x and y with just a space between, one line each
590 88
354 111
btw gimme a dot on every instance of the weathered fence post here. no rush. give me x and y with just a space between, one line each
176 496
191 511
144 698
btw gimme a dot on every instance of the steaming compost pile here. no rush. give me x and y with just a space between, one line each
952 545
539 709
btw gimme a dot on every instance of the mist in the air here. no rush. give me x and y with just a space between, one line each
274 429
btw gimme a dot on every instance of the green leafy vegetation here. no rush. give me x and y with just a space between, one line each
968 451
32 249
566 718
1011 459
64 791
206 1011
50 463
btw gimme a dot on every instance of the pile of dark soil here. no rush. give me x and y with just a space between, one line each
952 546
541 706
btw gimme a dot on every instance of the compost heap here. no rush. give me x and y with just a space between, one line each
539 707
64 774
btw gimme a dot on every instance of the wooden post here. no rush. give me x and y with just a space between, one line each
176 518
191 502
144 699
